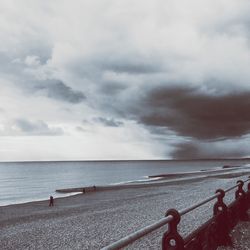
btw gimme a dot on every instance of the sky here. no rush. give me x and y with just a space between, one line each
124 79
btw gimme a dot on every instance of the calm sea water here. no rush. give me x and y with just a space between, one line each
27 181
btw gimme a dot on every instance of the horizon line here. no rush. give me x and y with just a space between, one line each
126 160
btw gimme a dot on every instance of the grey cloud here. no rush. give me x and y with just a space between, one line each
80 129
232 25
13 62
56 89
135 66
123 67
109 122
196 150
36 128
10 65
112 88
192 113
118 62
42 51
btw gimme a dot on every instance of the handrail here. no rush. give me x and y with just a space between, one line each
187 210
231 188
148 229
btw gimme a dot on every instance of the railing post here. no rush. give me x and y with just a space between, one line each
248 193
239 192
221 218
220 206
240 196
172 240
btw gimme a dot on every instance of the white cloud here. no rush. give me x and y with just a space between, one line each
83 145
110 53
32 61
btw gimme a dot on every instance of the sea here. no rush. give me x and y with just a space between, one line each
32 181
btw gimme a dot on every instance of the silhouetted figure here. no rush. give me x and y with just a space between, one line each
94 188
51 201
83 191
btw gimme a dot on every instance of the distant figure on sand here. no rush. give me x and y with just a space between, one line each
83 191
51 201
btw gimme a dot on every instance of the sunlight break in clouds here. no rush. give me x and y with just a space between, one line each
147 79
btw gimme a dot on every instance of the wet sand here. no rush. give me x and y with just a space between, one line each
96 219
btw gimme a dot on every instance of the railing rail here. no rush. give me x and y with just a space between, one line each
138 234
189 209
172 239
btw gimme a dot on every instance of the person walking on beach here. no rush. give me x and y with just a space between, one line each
51 201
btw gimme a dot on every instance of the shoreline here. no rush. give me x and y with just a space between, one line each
152 181
95 219
165 179
38 181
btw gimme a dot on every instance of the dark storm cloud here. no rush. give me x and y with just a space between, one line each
56 89
36 128
192 113
195 150
108 122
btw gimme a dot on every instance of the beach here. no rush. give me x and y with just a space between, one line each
114 112
96 219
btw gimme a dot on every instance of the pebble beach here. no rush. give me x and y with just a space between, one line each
96 219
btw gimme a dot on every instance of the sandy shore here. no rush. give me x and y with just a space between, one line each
95 219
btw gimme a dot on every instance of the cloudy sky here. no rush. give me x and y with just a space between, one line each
124 79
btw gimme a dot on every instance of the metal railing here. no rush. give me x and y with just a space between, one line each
213 233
